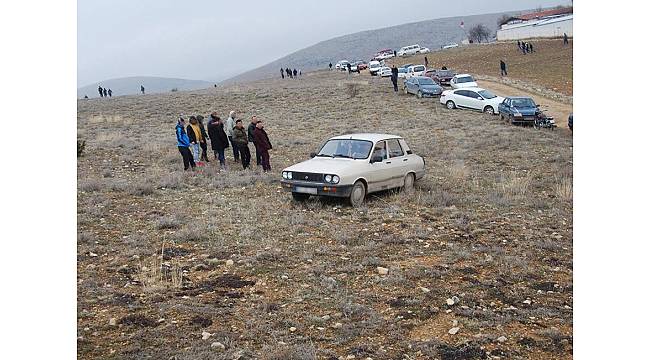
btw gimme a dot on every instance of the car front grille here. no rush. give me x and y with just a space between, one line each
304 176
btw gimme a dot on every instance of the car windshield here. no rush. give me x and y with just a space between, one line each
523 103
418 68
465 79
444 73
426 81
346 148
486 94
402 70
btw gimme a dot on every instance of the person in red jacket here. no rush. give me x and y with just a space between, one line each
263 145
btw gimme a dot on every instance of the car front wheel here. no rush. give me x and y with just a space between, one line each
419 94
489 110
406 90
450 105
358 194
300 196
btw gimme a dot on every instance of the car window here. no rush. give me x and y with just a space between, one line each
394 149
380 150
418 68
405 146
462 93
472 94
426 81
464 79
486 94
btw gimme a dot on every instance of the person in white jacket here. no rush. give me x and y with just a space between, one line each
230 124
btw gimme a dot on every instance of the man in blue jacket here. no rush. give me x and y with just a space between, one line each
183 143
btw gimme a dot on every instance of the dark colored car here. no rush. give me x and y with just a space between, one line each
441 77
518 110
571 122
362 65
422 86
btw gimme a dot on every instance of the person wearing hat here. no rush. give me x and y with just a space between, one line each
230 124
218 139
262 145
183 143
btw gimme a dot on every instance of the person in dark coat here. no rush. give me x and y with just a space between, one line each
105 92
519 44
218 139
443 67
251 138
282 72
101 91
504 71
531 47
566 39
263 145
142 89
110 93
394 53
289 73
204 143
523 47
331 63
349 68
295 73
183 143
240 138
393 76
426 62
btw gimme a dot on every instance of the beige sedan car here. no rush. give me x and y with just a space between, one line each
352 166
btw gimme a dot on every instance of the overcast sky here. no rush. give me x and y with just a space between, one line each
212 40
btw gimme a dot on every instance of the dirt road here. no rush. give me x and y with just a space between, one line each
560 111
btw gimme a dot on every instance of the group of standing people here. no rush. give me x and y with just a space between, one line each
525 47
104 92
293 74
192 141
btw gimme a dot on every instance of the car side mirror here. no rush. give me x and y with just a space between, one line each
376 158
312 155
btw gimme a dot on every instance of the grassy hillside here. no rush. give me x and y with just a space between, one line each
550 66
224 265
363 45
152 84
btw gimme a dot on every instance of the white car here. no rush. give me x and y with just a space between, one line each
462 81
409 50
424 50
385 71
401 73
343 65
374 67
384 55
415 70
352 166
450 46
473 99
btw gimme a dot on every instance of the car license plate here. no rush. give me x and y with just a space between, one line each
306 190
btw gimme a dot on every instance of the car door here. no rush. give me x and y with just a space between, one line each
504 107
414 85
461 98
474 100
379 172
398 163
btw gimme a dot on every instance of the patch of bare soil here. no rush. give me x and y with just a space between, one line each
218 264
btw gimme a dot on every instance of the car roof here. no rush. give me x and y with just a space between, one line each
463 75
421 77
474 88
520 97
366 136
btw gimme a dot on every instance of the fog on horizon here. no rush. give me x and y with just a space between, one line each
208 40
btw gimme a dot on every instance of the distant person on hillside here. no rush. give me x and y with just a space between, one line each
251 138
349 68
101 91
331 63
230 124
394 53
85 96
443 67
393 76
504 71
218 139
282 72
110 93
295 73
240 139
519 44
289 73
531 47
183 143
566 39
523 47
142 89
196 137
299 72
105 92
426 62
263 145
204 143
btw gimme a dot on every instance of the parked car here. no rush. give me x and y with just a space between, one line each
354 66
471 98
462 81
362 65
518 110
450 46
422 86
408 50
415 70
384 54
424 50
385 71
342 65
374 67
352 166
442 77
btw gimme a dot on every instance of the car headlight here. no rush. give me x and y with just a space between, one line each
284 175
328 178
335 179
289 175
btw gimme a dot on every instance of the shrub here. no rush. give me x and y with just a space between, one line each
81 145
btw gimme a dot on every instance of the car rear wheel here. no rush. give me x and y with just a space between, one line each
450 105
358 194
409 180
300 196
419 94
489 110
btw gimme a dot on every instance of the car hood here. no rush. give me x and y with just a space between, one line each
325 165
431 88
526 110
